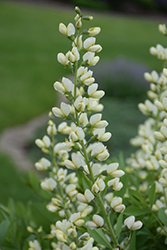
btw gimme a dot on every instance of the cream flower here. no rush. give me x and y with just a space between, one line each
132 224
67 31
63 111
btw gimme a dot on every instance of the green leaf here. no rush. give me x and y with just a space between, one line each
162 216
166 241
99 237
132 245
132 198
151 194
33 181
5 209
3 228
135 211
119 225
136 194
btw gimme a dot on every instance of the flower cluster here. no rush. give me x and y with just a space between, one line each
150 160
84 189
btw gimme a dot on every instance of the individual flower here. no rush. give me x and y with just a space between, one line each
78 42
34 245
95 121
89 45
71 191
151 77
73 55
87 78
98 221
61 58
162 134
161 105
112 170
63 128
117 185
162 28
51 129
44 143
83 118
84 207
65 86
158 205
132 224
117 205
42 164
48 184
76 219
94 31
90 58
93 93
80 103
147 108
77 134
75 163
100 152
60 235
67 31
87 197
63 111
98 186
101 135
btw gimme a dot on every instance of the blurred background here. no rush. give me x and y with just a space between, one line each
29 44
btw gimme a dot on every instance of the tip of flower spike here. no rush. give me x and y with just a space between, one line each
77 10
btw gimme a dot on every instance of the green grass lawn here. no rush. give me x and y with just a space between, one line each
29 44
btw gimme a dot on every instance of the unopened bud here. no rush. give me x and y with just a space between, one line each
39 229
73 246
78 23
30 229
77 10
88 18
